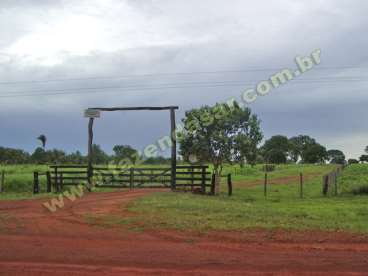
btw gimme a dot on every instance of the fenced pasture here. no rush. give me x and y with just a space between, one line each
185 177
283 208
20 179
283 182
248 207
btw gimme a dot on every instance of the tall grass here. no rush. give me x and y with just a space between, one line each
19 178
354 179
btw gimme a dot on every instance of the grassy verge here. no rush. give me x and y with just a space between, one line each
354 179
20 196
19 178
189 212
248 208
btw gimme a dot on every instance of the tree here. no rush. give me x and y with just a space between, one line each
246 144
366 149
125 152
213 134
55 156
353 161
315 154
276 149
99 156
43 140
39 156
336 157
75 158
298 146
276 156
13 156
363 158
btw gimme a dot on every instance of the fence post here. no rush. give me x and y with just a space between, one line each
325 184
229 185
61 181
203 184
48 177
265 185
131 179
213 184
56 179
192 177
301 186
36 184
335 182
2 182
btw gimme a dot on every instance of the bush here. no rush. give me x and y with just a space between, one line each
353 161
269 168
363 190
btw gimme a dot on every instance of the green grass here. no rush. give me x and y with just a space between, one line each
19 178
354 178
249 173
248 208
244 211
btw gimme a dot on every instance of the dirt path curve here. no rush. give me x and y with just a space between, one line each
35 242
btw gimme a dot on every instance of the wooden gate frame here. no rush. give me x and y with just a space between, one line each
150 108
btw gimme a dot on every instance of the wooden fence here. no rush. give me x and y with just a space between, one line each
330 181
186 177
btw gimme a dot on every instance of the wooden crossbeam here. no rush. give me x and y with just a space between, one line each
135 108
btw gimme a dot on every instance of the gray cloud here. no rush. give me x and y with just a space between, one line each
48 40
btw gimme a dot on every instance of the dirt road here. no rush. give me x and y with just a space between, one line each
34 241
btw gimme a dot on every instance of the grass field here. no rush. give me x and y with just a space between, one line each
248 208
19 181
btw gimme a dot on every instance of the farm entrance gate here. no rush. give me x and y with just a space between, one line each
93 113
193 178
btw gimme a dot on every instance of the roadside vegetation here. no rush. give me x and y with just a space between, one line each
355 180
249 209
228 137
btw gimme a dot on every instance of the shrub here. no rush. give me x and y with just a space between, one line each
269 168
353 161
363 190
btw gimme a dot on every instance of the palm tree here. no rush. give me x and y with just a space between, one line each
43 140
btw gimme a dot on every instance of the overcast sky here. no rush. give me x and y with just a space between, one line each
174 52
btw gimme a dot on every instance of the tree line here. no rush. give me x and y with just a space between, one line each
236 136
223 133
12 156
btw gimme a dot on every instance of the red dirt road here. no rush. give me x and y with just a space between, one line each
35 242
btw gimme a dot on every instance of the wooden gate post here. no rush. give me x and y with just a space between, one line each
265 185
173 148
229 185
131 178
36 184
203 183
301 186
325 185
213 183
90 153
2 181
335 183
48 177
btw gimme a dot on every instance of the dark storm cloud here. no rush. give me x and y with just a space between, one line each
154 37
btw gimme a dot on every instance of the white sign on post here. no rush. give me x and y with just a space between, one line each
92 113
